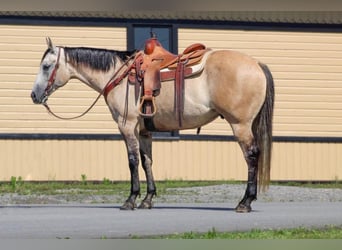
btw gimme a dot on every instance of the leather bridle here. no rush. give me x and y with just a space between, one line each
52 77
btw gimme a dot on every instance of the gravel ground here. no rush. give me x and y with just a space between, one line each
208 194
224 193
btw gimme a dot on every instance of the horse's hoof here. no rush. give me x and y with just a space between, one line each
145 205
128 206
241 208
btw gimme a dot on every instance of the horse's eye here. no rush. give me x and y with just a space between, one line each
46 67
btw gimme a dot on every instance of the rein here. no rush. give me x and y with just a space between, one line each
105 91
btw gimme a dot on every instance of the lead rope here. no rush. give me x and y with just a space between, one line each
97 98
74 117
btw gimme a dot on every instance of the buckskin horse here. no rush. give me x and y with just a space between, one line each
231 84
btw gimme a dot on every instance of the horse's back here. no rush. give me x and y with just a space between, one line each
233 63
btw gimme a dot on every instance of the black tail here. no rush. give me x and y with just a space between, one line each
262 131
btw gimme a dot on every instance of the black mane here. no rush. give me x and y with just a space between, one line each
98 59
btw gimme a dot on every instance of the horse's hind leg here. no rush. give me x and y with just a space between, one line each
146 160
251 153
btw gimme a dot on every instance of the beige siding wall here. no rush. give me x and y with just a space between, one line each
308 76
21 49
307 71
186 160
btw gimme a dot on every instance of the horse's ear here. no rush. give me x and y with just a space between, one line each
49 43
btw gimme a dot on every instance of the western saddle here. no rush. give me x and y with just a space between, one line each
154 65
157 65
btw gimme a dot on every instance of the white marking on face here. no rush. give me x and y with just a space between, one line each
47 65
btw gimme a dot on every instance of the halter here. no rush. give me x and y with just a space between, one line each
52 77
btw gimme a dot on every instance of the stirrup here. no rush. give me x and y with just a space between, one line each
149 105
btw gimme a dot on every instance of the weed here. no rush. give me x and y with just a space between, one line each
15 182
211 234
83 179
106 181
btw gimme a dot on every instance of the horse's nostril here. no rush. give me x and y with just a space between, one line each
34 97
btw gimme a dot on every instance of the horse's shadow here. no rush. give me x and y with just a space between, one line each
105 206
192 207
116 206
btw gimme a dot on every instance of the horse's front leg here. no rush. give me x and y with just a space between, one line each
132 145
145 140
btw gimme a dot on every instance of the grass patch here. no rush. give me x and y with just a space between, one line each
328 232
53 188
107 187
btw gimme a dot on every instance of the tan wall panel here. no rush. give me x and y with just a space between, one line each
21 49
307 161
307 72
186 160
63 159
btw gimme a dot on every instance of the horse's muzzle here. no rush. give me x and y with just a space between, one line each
35 99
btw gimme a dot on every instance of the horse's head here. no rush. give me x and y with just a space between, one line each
52 74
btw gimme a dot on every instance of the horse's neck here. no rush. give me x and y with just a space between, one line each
95 79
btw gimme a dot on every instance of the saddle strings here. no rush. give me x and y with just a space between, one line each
97 98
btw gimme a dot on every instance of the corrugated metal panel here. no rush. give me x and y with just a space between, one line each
63 159
307 161
307 72
21 49
182 160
